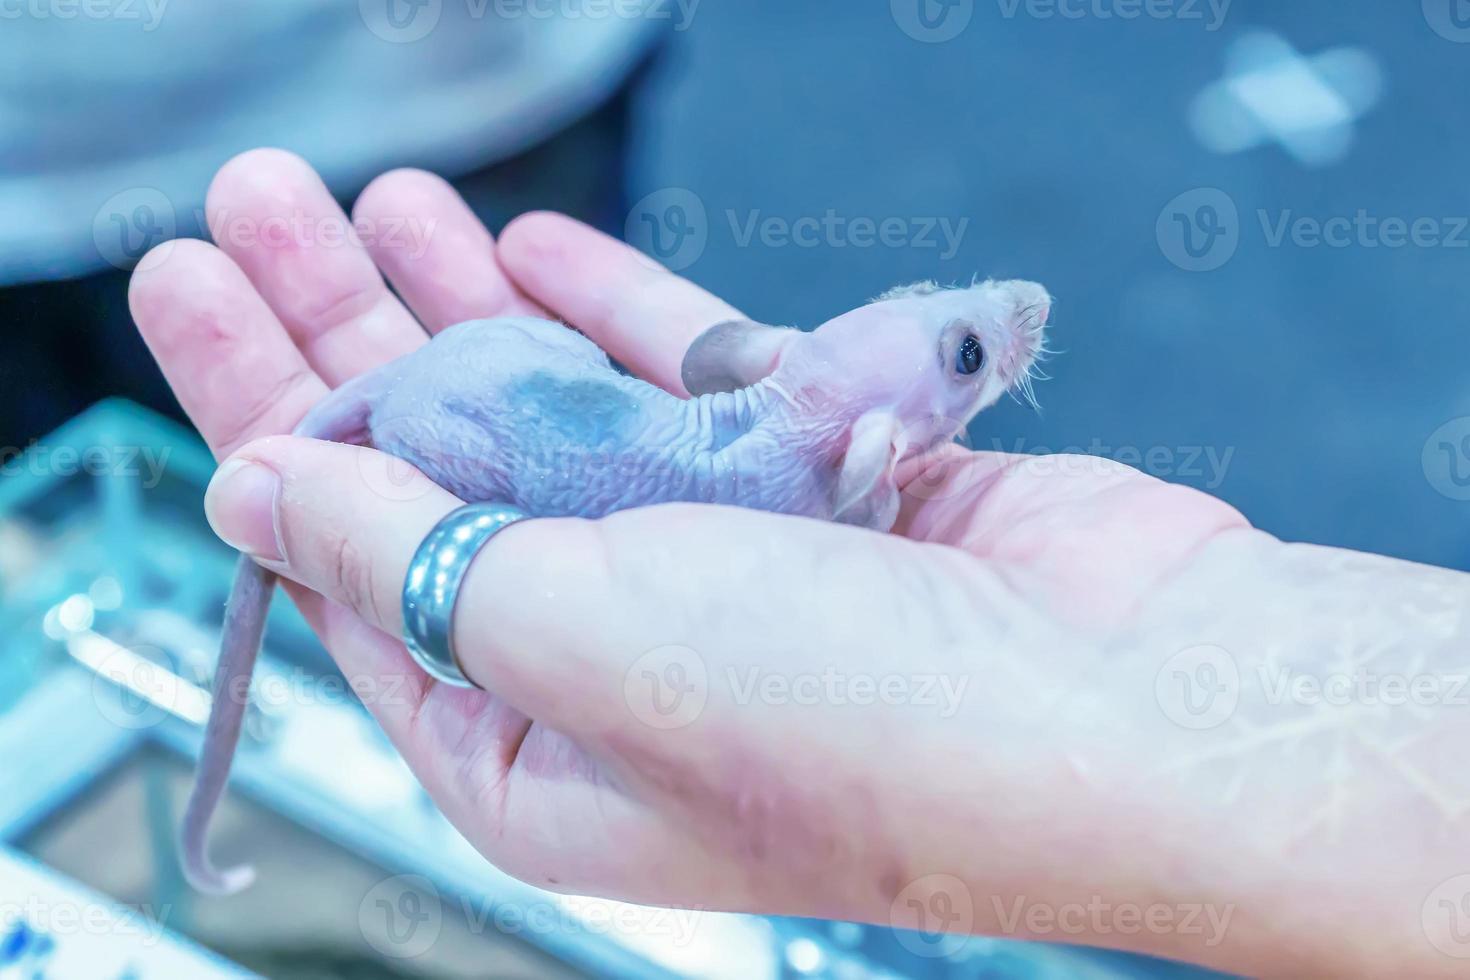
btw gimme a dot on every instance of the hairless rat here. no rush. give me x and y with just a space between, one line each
531 413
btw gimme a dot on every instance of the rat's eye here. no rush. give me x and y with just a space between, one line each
971 356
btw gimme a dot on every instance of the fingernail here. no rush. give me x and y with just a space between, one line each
242 505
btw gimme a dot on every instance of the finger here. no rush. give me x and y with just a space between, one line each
226 356
434 251
271 213
643 315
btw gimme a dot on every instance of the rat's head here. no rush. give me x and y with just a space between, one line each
932 356
902 374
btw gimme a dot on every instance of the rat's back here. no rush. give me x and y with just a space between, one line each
531 413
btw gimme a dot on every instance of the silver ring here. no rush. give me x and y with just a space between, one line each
431 587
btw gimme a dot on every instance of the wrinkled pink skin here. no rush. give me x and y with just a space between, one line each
530 413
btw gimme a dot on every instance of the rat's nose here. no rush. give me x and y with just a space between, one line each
1029 301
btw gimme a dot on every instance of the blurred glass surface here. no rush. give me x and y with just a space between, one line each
112 590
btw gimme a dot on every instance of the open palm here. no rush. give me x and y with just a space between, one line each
556 774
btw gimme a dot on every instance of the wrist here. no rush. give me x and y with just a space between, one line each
1258 772
1306 770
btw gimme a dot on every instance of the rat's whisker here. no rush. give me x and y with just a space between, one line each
1024 392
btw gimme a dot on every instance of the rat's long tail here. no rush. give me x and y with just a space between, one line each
341 417
245 613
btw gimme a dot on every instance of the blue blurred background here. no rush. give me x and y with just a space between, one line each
1320 372
1300 379
1253 215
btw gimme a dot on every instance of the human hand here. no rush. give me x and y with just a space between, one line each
705 706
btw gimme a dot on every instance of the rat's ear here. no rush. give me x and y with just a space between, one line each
867 491
732 355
